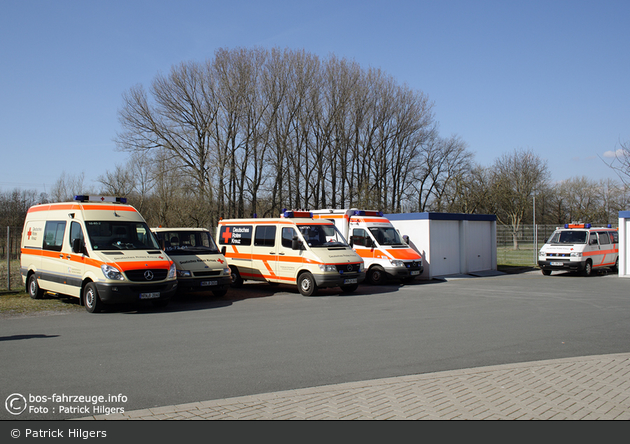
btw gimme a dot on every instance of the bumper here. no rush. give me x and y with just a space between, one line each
336 280
561 265
130 293
204 284
403 272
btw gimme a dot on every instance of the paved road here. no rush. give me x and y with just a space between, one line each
269 340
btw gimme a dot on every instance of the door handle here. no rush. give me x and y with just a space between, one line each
280 254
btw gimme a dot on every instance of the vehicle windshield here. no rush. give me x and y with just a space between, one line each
114 235
568 237
322 236
386 236
187 242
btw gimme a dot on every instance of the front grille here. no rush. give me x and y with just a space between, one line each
558 254
206 273
139 275
412 264
348 268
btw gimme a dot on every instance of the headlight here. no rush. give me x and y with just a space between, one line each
112 273
576 254
227 271
327 267
541 253
361 267
397 263
172 272
184 273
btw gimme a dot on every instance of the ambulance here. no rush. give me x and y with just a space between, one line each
200 265
580 248
378 243
293 249
97 249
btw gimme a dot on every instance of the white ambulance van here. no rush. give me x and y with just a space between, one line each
294 249
200 265
97 249
378 243
580 248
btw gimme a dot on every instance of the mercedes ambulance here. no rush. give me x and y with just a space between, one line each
580 248
200 265
378 243
293 249
97 249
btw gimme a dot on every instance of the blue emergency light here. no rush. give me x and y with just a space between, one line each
84 198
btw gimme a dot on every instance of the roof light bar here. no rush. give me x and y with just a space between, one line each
84 198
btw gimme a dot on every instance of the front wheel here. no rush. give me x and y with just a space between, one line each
306 284
588 268
376 276
237 280
546 272
615 267
91 299
33 287
349 288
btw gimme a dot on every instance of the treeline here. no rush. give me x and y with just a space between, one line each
253 131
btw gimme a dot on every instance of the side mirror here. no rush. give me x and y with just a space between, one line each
296 244
223 250
78 246
368 242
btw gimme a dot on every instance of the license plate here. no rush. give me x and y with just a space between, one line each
415 273
154 295
557 264
208 283
350 281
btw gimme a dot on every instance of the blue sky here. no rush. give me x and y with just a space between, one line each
551 76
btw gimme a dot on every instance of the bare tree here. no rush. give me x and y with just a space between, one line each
515 178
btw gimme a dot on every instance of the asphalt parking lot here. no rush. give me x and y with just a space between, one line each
267 339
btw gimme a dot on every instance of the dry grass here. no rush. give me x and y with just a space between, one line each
18 304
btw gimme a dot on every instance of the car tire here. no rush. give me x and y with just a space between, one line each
376 276
306 284
237 280
546 272
588 268
349 288
91 299
33 287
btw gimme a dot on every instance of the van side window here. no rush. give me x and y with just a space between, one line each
592 239
603 238
235 235
614 237
288 233
53 235
265 236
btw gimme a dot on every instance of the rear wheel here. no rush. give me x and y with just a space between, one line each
33 287
306 284
91 299
616 266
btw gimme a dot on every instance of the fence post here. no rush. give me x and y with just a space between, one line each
8 249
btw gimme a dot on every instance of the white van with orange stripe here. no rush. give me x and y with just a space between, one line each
581 248
294 249
378 243
97 249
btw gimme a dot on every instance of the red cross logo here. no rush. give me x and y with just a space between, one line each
220 260
29 233
227 235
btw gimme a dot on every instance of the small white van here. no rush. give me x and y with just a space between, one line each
580 248
97 249
200 265
294 249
